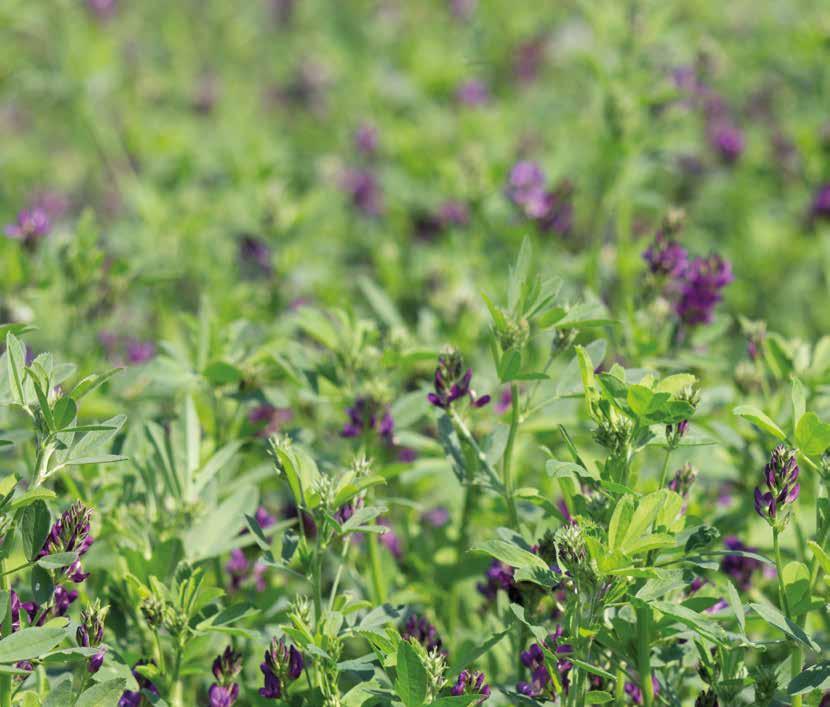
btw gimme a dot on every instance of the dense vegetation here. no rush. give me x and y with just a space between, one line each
414 352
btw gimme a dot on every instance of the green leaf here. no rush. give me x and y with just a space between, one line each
760 420
510 365
16 363
812 435
816 677
556 468
821 556
30 496
61 694
222 373
796 578
799 398
776 619
411 683
511 554
471 652
64 412
35 523
736 604
30 643
104 694
705 626
598 697
91 382
42 585
676 383
620 520
57 560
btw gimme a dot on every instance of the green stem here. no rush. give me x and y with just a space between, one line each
468 436
317 581
782 595
644 654
507 479
374 561
469 491
5 679
664 473
795 651
619 688
340 566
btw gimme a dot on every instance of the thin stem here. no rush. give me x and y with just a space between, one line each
507 479
644 654
469 491
467 435
376 571
317 581
340 565
6 679
664 473
782 595
795 651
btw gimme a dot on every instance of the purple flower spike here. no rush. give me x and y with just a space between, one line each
221 696
281 665
781 478
419 629
820 208
452 382
471 682
701 288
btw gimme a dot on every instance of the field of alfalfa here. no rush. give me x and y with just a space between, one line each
414 352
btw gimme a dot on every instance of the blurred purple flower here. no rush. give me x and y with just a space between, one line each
368 415
139 352
390 540
419 629
366 139
820 208
636 694
701 288
254 255
135 699
267 419
463 9
452 382
739 568
436 517
541 684
31 225
102 9
727 140
453 213
528 59
473 93
364 191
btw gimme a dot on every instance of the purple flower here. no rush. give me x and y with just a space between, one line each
453 213
254 255
666 257
139 352
135 699
222 696
31 225
90 634
364 191
437 517
96 661
417 628
463 9
238 568
452 382
528 59
636 694
390 539
102 9
701 288
727 140
347 510
309 526
281 664
820 208
268 419
499 577
366 139
781 479
526 183
70 533
471 682
473 93
541 683
739 568
367 414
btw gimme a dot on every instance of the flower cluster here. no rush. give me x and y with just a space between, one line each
281 665
368 415
551 209
541 683
781 479
70 533
694 285
419 629
452 382
471 682
134 698
30 226
224 692
635 692
90 634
